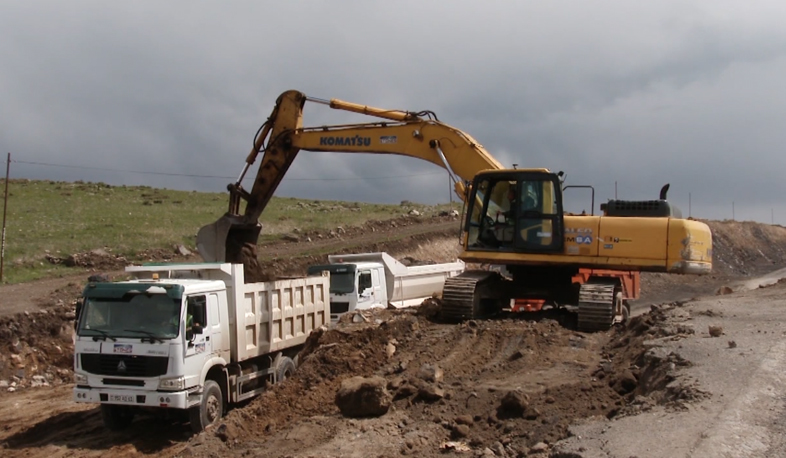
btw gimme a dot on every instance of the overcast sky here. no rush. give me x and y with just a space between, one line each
638 93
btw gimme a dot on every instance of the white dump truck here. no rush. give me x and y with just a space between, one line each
190 337
369 280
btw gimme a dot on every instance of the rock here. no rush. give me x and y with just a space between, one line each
715 331
460 431
405 390
221 432
291 238
464 420
98 278
732 344
430 393
414 212
454 213
395 384
723 290
498 449
18 361
16 346
454 446
390 349
3 383
540 447
625 383
182 250
485 453
430 373
513 404
363 397
532 413
100 252
430 307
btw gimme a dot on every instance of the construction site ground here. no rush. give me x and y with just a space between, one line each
698 371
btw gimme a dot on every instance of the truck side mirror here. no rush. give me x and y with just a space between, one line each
78 312
196 328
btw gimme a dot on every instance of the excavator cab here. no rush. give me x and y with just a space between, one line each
516 210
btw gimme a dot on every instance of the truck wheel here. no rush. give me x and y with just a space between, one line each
285 369
116 418
210 410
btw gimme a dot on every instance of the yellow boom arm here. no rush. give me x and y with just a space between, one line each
283 136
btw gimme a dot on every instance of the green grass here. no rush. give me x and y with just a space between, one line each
60 218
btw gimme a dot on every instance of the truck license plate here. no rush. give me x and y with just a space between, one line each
127 398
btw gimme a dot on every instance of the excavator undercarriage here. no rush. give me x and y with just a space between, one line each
598 297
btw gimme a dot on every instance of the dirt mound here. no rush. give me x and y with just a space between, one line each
511 382
747 248
645 375
36 349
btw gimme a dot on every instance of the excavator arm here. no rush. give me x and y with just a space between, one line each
282 136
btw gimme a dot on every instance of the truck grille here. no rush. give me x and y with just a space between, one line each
125 365
339 307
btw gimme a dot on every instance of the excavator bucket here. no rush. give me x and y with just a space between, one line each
215 244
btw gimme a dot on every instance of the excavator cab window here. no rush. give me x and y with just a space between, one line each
519 211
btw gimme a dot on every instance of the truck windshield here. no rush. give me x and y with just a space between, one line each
342 277
148 316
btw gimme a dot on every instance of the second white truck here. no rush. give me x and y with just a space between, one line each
190 338
370 280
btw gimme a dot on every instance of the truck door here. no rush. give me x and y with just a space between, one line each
198 338
365 290
376 285
213 325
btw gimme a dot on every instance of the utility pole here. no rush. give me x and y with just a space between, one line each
732 211
615 190
689 206
5 210
772 216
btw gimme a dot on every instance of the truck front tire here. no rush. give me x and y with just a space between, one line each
210 410
116 418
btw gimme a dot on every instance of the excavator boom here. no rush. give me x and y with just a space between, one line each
419 135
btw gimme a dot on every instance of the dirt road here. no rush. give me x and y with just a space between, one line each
742 374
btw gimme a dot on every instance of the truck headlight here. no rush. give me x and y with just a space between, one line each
80 379
172 384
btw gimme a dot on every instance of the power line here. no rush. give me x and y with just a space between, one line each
215 176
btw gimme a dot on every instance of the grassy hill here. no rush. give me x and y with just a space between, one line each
60 218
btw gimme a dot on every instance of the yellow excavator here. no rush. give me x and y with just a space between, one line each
514 219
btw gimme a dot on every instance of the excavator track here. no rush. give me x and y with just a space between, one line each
462 295
596 307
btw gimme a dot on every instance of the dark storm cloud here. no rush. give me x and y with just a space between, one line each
629 92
